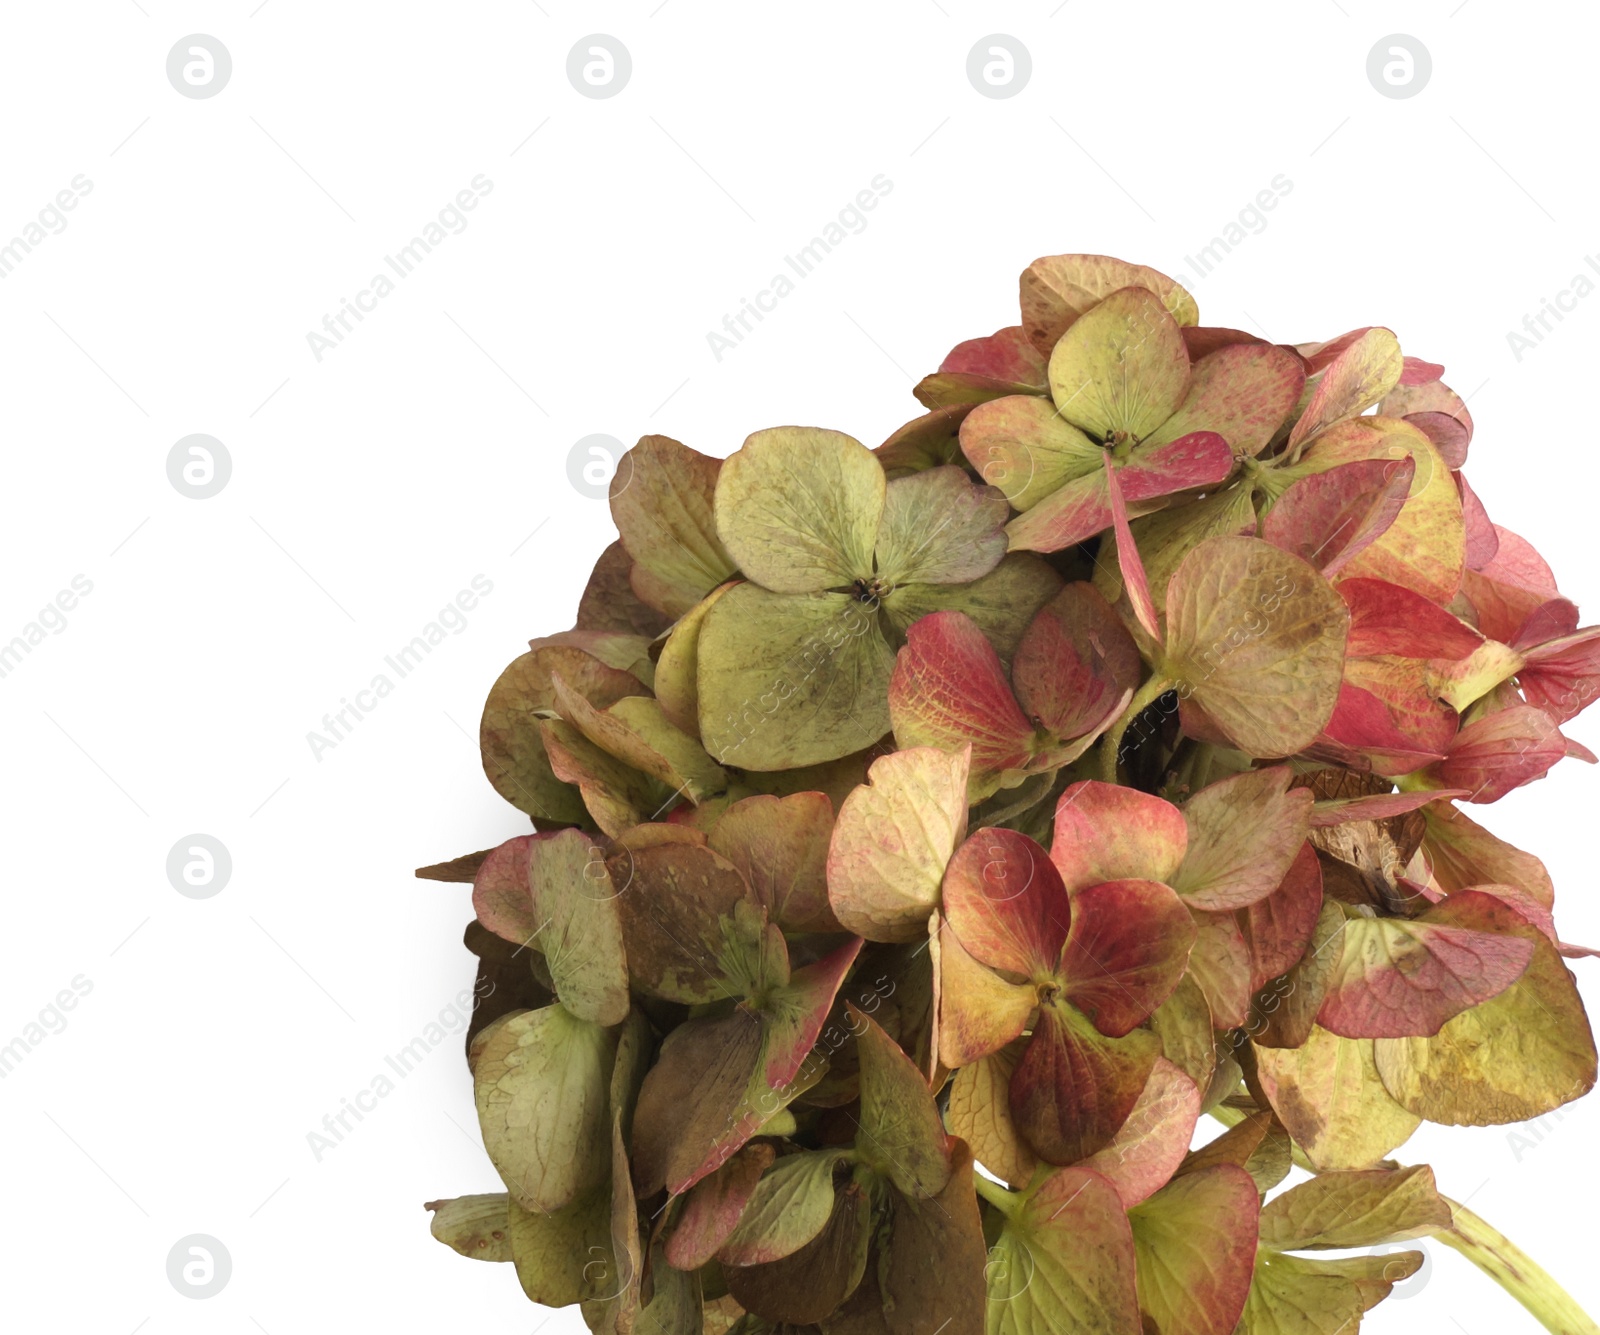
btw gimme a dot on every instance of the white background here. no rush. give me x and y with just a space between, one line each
369 487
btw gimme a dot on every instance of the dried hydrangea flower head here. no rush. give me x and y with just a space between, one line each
925 840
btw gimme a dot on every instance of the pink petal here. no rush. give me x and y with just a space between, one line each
1127 947
1133 576
1105 832
1006 902
1388 619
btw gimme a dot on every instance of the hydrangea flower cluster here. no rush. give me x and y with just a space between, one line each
926 839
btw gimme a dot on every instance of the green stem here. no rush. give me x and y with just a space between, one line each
1007 1202
1111 743
1516 1272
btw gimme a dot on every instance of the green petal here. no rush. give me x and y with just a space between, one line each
553 1251
789 680
1196 1243
1360 1209
1003 602
798 508
475 1226
580 934
661 500
1022 445
540 1084
892 841
901 1136
1328 1094
940 528
1058 289
1065 1262
1523 1054
1255 638
1122 369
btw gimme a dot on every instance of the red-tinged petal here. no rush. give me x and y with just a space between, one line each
1245 832
1403 979
1357 378
1425 548
1197 459
1550 620
1075 663
1379 806
949 690
1525 904
1482 540
1499 752
1073 513
1576 750
1220 963
892 840
1006 902
1387 712
1562 676
1127 947
1436 410
1388 619
1278 928
1146 1152
1196 1246
1463 854
1105 832
930 441
1415 371
1518 564
780 846
712 1208
1243 392
1005 355
1319 356
1330 518
1023 446
1074 1087
1134 582
501 895
1203 340
1056 290
1447 433
979 1011
795 1013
